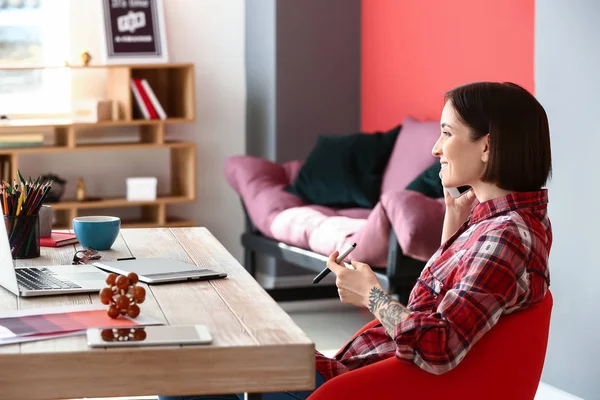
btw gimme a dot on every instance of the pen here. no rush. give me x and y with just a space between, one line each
340 258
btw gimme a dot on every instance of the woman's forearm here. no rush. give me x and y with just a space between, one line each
452 222
387 310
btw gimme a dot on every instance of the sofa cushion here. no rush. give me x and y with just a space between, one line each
291 169
359 213
324 230
345 171
338 232
372 240
294 226
411 154
428 182
260 183
417 221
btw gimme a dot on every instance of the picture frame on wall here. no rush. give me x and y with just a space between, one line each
134 32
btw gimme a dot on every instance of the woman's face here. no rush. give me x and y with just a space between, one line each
463 161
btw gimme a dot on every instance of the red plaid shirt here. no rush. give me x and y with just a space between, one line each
495 264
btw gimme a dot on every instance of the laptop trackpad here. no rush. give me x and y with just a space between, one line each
79 273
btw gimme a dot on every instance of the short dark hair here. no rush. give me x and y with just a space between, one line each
520 157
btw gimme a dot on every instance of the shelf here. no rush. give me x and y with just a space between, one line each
171 223
133 122
35 123
97 147
173 84
65 123
117 202
103 66
179 223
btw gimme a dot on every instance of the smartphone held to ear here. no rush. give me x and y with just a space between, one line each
458 191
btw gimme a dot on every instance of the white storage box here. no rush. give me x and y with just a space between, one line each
141 189
92 110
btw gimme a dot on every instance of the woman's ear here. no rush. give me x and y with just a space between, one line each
485 151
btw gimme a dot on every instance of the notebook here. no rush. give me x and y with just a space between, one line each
160 270
58 239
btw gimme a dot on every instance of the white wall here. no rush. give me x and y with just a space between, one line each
209 34
567 85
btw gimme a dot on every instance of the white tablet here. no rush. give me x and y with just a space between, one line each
156 335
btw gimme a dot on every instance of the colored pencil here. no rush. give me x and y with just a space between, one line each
21 200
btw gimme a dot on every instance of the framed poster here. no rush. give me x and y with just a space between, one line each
134 31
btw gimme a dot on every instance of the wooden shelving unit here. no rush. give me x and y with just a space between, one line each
173 85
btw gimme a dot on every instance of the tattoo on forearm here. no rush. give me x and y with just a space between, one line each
378 298
389 312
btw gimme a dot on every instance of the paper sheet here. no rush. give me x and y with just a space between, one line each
34 338
48 323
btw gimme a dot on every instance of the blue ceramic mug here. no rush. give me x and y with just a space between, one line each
97 232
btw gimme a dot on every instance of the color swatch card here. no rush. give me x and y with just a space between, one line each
47 323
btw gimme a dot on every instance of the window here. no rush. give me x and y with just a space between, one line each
34 33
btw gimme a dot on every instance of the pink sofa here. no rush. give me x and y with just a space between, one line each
396 237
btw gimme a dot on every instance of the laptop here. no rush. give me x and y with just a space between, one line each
160 270
46 280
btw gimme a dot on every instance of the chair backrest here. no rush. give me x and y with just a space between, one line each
411 154
506 363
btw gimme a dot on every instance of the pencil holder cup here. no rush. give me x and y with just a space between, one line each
23 235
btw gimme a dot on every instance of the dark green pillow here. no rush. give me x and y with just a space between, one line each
345 171
429 182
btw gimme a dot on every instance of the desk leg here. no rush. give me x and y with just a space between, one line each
253 396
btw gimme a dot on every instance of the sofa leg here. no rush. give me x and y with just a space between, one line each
250 261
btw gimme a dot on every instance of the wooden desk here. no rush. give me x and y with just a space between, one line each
257 347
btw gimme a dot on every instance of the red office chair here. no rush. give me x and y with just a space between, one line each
505 364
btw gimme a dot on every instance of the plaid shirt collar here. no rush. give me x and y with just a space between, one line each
509 202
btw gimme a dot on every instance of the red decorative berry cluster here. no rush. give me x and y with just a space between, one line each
123 295
123 334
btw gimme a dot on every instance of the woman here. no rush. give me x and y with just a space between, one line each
495 241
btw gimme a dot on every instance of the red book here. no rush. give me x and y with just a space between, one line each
145 98
58 239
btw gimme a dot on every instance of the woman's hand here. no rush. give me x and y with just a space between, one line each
457 212
354 285
462 205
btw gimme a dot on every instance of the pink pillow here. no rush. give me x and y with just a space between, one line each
411 154
291 169
372 240
417 221
296 225
261 185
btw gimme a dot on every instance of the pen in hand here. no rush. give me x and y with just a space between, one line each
340 258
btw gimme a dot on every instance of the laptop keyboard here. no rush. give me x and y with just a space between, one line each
42 279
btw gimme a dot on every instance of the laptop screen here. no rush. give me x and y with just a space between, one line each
8 278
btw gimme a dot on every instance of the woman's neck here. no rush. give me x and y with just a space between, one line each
487 191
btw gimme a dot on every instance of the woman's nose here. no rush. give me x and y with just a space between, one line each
436 151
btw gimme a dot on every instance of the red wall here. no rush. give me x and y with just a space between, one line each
415 50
